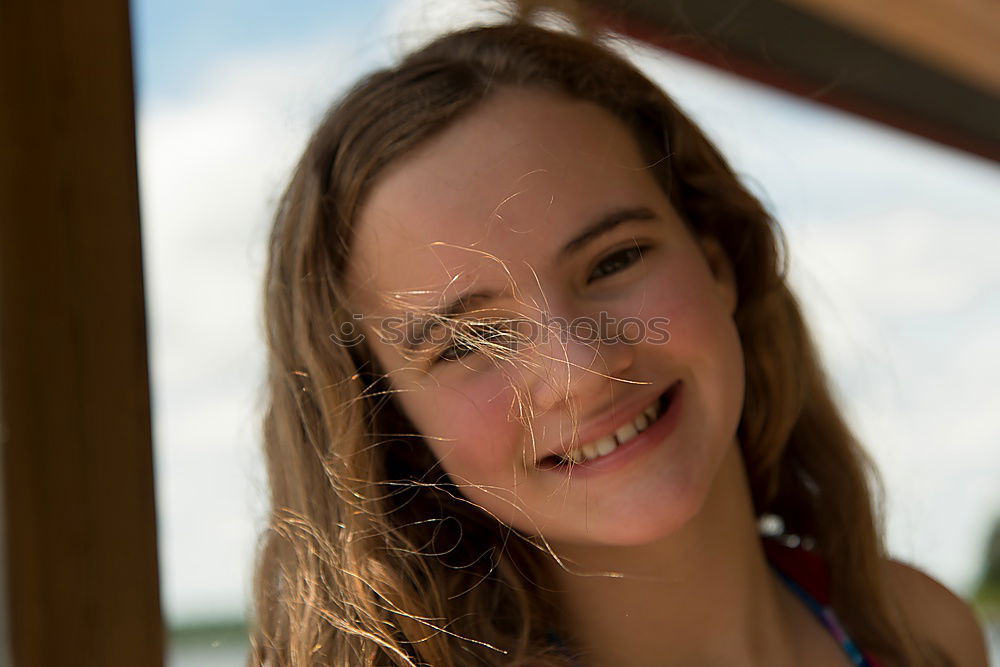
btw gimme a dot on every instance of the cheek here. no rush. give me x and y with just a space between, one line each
470 428
681 293
701 329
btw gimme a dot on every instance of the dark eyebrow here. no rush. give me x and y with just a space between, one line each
591 232
603 225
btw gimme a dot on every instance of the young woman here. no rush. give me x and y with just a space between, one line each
536 378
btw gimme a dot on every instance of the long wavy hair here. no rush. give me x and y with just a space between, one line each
371 557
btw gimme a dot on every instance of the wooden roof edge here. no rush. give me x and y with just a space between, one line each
804 54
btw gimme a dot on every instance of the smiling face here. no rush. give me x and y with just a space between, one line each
539 208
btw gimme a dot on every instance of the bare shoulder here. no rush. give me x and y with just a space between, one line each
938 614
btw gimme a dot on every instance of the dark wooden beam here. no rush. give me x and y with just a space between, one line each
961 37
77 474
814 57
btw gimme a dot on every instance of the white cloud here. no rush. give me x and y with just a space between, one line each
212 166
902 303
410 24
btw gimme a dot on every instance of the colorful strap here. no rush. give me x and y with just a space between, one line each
829 619
805 573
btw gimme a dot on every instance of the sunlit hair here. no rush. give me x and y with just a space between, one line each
372 557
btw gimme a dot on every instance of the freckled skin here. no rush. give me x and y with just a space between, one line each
490 202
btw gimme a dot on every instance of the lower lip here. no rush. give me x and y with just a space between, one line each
634 448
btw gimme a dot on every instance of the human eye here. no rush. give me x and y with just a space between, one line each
455 352
617 261
494 339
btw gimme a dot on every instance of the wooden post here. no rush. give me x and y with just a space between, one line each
77 474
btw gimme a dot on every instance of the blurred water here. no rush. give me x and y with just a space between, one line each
234 654
224 655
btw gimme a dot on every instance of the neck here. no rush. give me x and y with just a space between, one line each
703 595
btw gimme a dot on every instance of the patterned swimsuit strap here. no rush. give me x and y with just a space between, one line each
828 618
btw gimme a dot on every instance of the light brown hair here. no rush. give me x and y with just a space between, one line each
371 556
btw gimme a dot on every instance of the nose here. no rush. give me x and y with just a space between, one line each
575 363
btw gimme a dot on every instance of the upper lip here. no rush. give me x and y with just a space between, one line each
612 419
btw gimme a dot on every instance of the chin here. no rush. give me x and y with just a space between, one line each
653 529
642 526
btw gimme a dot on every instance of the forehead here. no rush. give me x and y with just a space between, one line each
492 198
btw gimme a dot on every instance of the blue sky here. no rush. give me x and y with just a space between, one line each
174 40
892 252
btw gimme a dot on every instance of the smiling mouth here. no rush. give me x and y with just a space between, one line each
609 443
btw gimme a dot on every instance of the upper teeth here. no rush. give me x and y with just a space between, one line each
609 443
